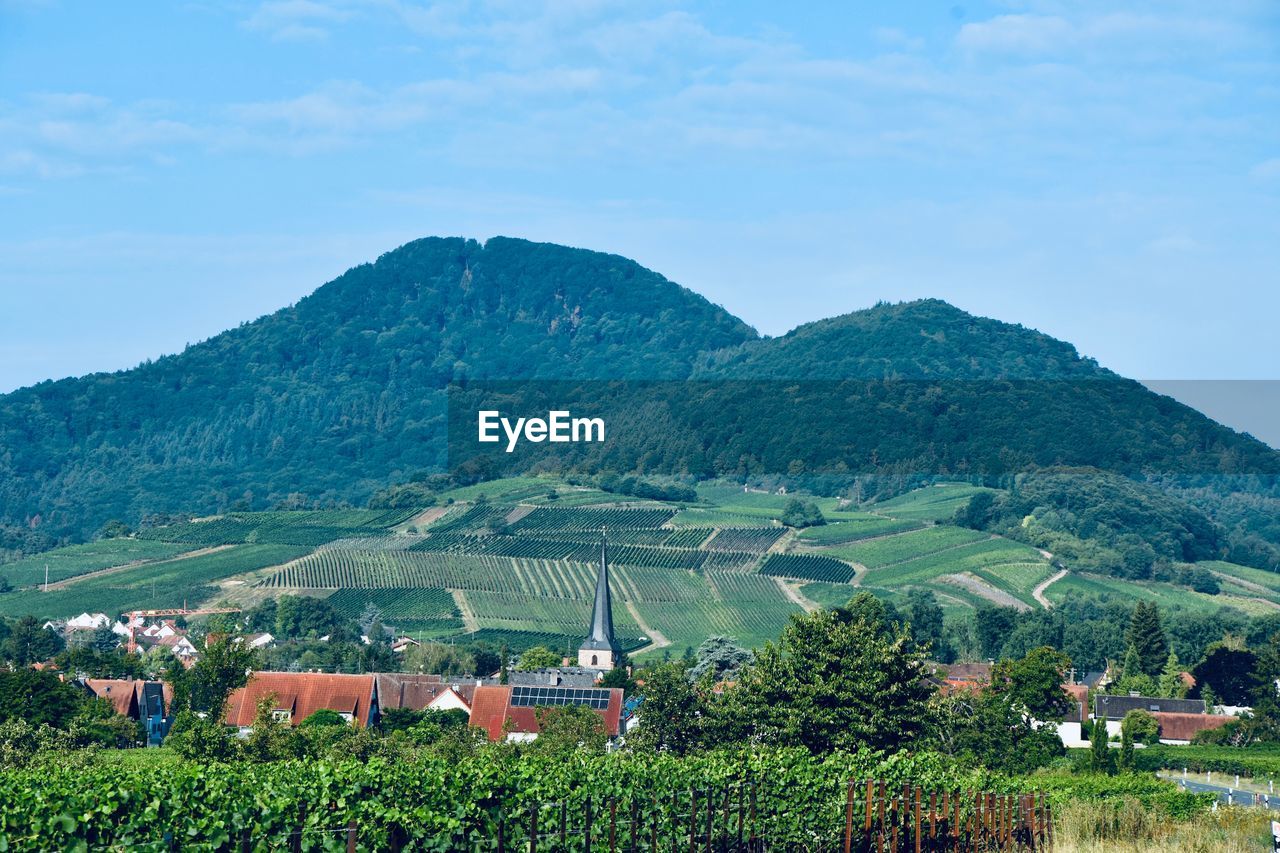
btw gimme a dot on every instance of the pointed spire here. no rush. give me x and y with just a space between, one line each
601 636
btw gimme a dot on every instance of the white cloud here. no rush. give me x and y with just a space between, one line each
1267 170
296 20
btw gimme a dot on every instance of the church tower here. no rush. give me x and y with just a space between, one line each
601 650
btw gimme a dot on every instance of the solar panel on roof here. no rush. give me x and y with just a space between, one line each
531 697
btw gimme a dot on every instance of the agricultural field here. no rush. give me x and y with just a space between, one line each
148 586
520 564
931 503
76 560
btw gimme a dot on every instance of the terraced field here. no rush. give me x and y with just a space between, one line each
523 562
76 560
149 585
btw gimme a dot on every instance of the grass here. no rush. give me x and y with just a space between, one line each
76 560
861 526
148 586
905 546
931 503
1166 596
1129 826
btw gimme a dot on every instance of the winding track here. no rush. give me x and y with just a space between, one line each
1038 592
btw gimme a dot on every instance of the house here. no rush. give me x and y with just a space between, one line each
400 645
1179 729
510 711
88 622
120 692
422 692
147 701
1071 726
560 676
298 695
979 673
179 645
1113 708
258 641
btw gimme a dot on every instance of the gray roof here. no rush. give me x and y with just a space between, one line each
601 636
1115 707
562 676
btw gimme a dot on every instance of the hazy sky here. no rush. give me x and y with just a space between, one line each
1106 172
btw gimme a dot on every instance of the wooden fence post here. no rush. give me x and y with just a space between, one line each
586 825
917 820
693 819
351 836
613 825
848 820
296 841
533 827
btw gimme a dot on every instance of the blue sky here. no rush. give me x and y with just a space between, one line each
1108 173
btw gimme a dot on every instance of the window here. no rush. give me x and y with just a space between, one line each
282 715
594 660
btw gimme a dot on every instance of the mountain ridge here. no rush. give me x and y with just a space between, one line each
343 392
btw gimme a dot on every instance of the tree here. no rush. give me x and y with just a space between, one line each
1210 698
1171 683
619 677
671 713
104 640
1132 679
977 513
1100 759
323 717
1147 636
38 697
303 616
1034 683
927 625
993 625
719 658
224 666
1141 727
30 643
1124 762
988 728
569 729
538 657
1229 672
798 513
832 681
439 659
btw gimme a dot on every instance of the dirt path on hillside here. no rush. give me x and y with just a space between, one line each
469 620
656 638
979 587
422 519
805 604
1241 582
1038 592
66 582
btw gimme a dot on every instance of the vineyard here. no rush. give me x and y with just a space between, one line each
757 800
149 585
76 560
814 567
522 553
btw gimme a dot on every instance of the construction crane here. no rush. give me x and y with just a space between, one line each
176 611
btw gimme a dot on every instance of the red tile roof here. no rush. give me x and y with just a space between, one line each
1185 726
120 692
400 690
491 710
302 694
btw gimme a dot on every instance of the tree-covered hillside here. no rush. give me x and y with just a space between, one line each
336 397
342 392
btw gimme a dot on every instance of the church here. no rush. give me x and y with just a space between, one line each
601 650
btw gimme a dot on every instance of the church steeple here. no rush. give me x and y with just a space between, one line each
601 650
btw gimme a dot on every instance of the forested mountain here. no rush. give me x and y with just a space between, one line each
344 392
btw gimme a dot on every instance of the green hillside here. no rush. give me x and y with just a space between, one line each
328 401
451 573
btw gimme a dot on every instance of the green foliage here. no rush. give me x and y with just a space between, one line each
1146 636
1100 758
719 658
1141 727
1257 761
991 729
538 657
205 687
834 679
568 730
1228 673
39 697
29 643
798 513
323 717
1034 683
